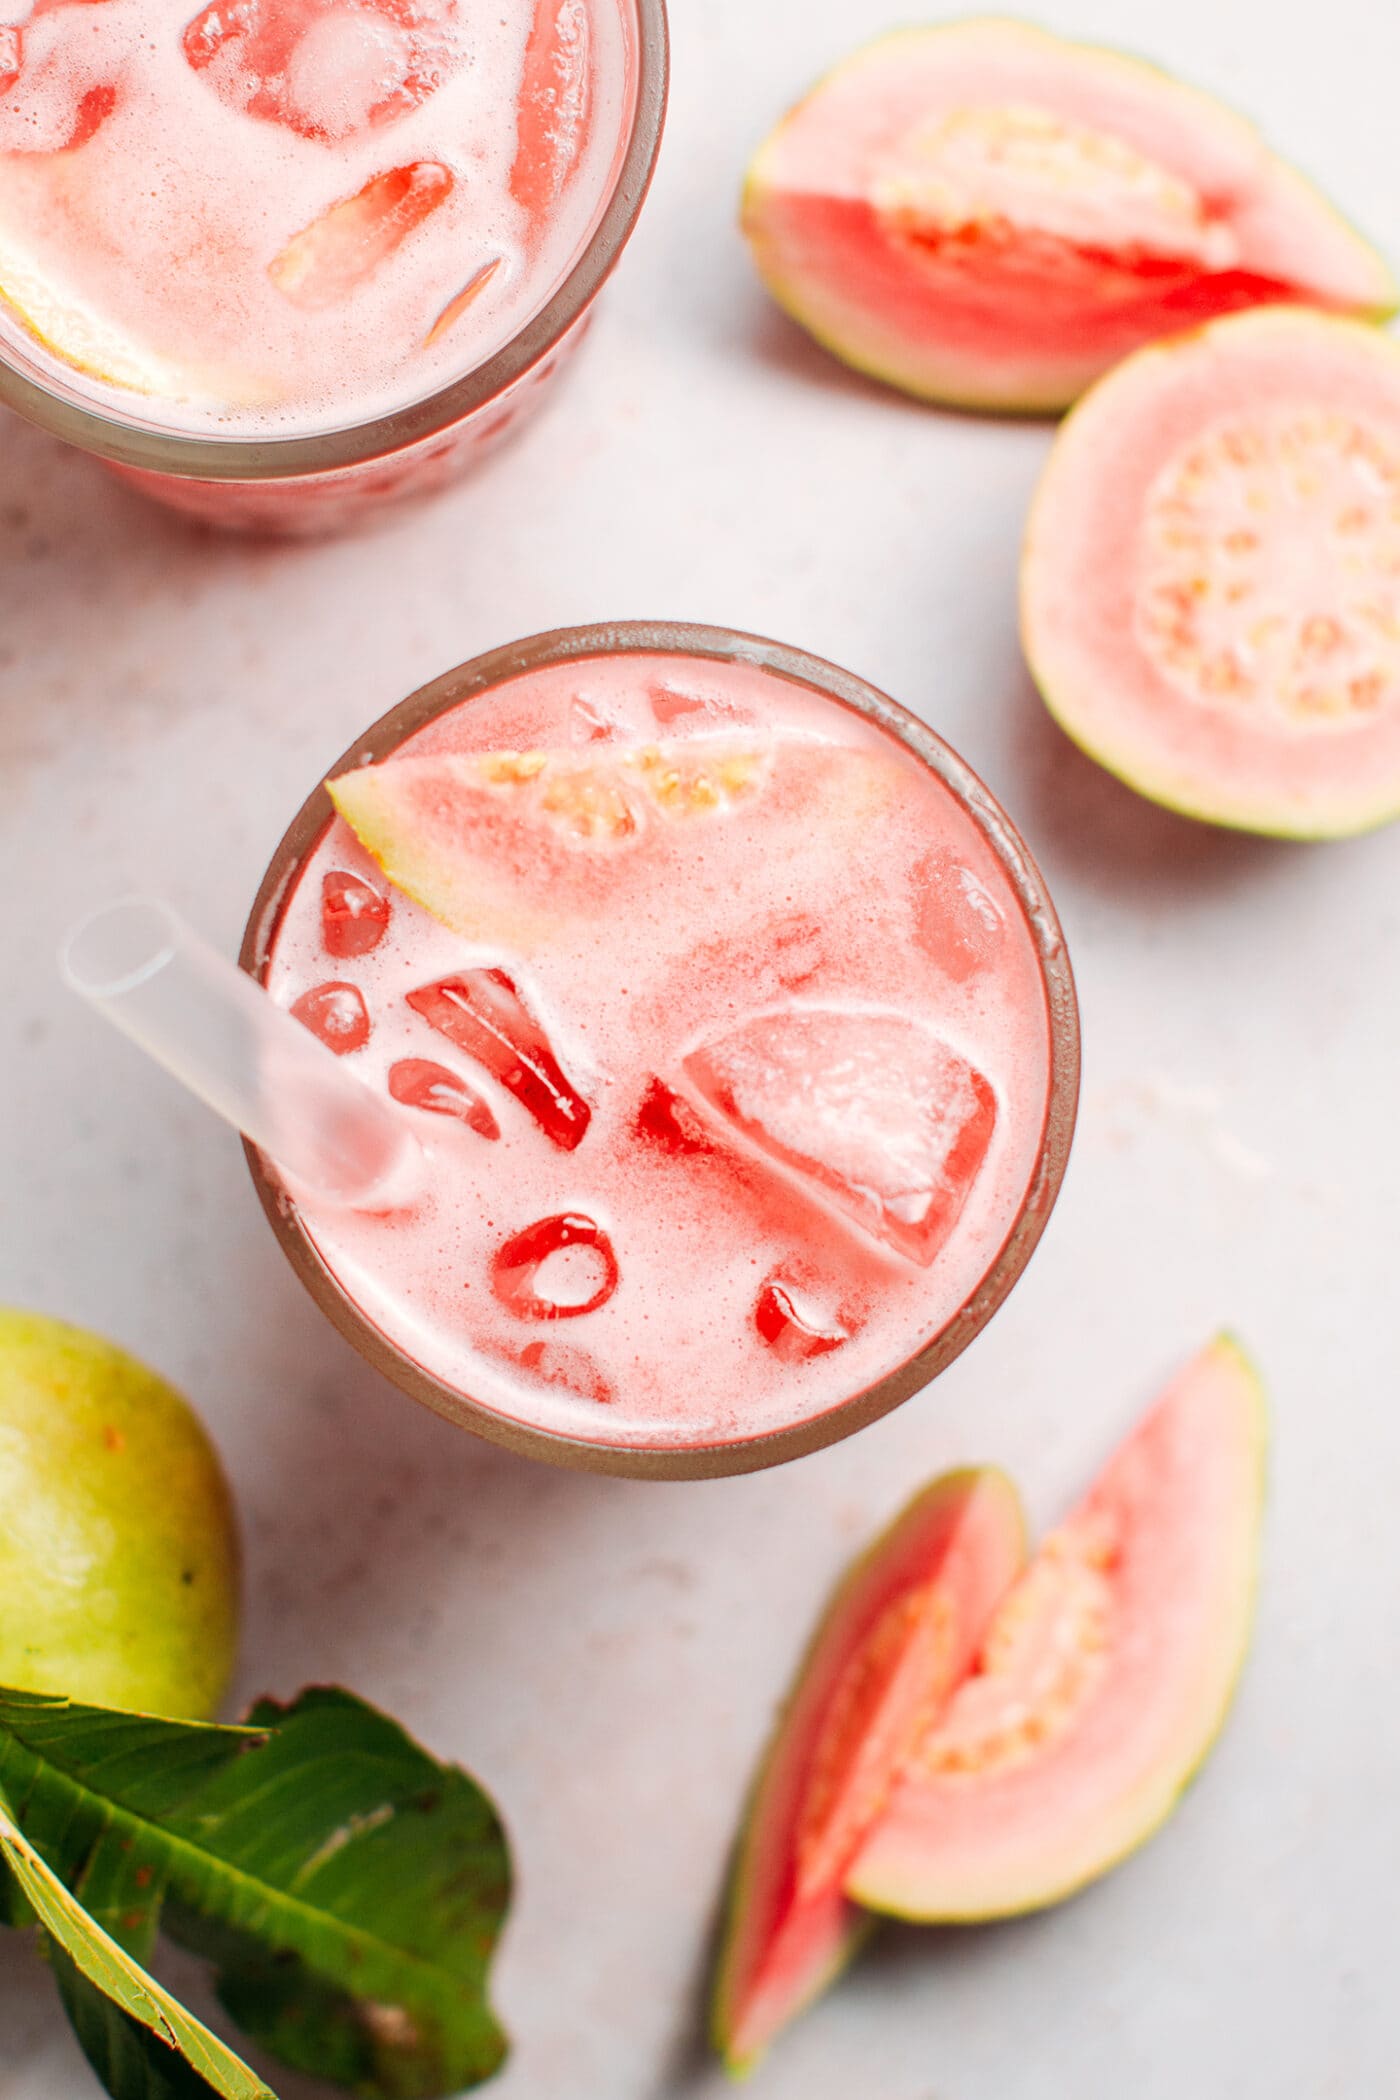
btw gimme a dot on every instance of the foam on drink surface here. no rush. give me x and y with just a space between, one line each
752 1138
298 214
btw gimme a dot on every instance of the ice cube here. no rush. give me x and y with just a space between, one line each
792 1326
65 99
959 926
92 112
482 1012
557 1269
327 261
354 915
879 1113
328 69
337 1014
419 1083
676 708
589 725
666 1119
560 1363
554 106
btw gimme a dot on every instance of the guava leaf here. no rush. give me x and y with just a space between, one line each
132 2062
348 1889
146 2029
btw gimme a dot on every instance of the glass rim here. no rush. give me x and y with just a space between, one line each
195 456
772 1447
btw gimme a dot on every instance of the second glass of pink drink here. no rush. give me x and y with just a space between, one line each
734 1021
282 261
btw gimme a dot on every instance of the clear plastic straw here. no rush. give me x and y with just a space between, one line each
219 1033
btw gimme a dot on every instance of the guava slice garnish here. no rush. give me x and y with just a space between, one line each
1210 586
1103 1679
521 846
118 1540
990 215
62 322
897 1636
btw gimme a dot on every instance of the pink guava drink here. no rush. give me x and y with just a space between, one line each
281 261
734 1021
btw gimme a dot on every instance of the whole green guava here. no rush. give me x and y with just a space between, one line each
119 1564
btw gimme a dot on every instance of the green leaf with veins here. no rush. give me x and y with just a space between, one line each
131 2061
348 1889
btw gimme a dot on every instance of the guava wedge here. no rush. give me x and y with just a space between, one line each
897 1636
65 325
1103 1680
1210 584
988 215
521 844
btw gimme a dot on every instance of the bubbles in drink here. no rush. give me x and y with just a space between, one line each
959 927
560 1363
793 1327
11 58
890 1121
419 1083
557 1269
554 106
337 1014
329 259
354 915
328 69
483 1013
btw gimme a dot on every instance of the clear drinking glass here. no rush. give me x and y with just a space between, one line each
729 1453
330 480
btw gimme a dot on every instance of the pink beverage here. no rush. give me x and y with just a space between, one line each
282 260
739 1034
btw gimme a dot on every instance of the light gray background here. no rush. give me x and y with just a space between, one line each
607 1655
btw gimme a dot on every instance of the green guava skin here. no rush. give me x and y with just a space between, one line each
119 1561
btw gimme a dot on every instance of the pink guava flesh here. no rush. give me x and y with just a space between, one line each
1103 1679
896 1638
988 215
1210 598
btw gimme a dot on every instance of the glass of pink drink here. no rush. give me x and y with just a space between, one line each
740 1037
280 262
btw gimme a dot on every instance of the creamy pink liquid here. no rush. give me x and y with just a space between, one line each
163 166
866 932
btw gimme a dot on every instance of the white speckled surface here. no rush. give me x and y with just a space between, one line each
607 1654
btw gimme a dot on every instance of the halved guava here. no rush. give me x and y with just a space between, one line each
1103 1680
897 1636
988 215
520 843
1210 587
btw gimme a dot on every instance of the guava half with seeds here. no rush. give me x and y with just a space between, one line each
988 215
1210 587
897 1636
1104 1678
